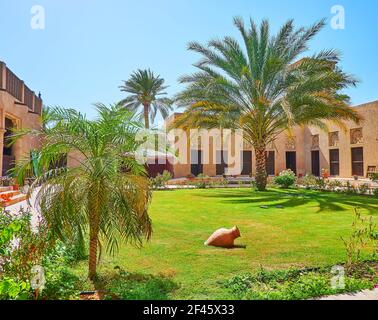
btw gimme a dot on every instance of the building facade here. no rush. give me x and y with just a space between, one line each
344 152
20 107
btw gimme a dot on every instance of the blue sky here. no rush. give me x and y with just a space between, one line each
89 46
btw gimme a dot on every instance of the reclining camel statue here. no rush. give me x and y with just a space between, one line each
223 238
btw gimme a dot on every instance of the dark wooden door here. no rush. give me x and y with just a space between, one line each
221 164
247 163
196 162
315 163
291 161
270 163
358 161
334 162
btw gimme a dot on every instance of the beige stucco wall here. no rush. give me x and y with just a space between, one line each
22 118
369 125
303 137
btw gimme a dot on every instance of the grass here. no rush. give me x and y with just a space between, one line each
306 232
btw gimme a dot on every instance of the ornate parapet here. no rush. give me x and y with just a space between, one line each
315 142
290 143
10 83
356 136
333 139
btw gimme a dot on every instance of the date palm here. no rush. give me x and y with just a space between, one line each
105 197
147 91
264 86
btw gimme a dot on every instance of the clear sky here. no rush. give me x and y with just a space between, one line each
89 46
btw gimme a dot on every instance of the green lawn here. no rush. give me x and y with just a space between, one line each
306 232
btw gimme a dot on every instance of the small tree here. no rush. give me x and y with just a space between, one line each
105 197
160 181
285 179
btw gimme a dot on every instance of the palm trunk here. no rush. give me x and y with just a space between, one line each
94 228
261 176
146 108
92 266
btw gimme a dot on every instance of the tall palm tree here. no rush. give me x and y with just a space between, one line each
146 90
264 87
106 196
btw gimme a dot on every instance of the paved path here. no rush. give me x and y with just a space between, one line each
363 295
26 205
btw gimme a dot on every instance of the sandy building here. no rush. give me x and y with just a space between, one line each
344 152
20 107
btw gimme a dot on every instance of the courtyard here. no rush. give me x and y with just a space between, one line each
305 230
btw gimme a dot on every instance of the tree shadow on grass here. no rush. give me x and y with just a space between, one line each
290 198
122 285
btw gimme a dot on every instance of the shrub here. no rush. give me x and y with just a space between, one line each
31 245
335 185
127 286
160 181
20 249
285 179
373 176
6 181
321 184
350 189
364 188
202 181
363 231
292 284
309 181
375 192
60 282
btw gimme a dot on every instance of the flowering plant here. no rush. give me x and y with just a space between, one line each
285 179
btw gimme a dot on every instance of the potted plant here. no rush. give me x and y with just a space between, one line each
355 177
6 181
325 174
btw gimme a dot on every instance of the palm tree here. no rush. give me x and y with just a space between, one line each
107 195
263 87
146 90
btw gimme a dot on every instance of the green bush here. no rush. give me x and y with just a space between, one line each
285 179
361 238
335 185
364 188
202 181
61 283
12 289
373 176
160 181
350 189
140 287
34 248
321 183
309 181
375 192
20 249
292 284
